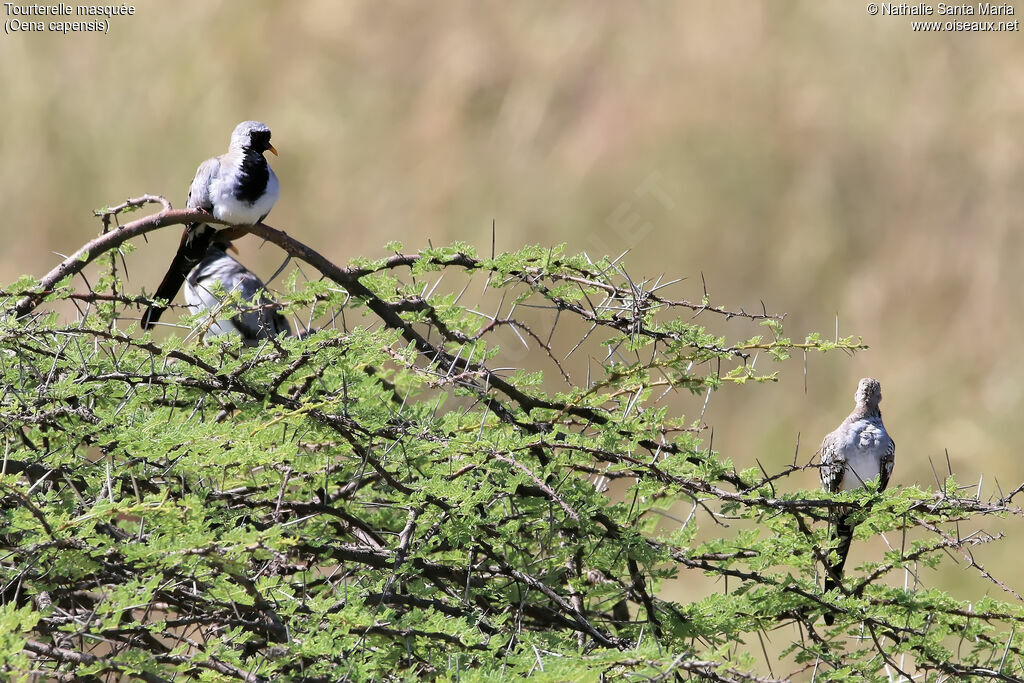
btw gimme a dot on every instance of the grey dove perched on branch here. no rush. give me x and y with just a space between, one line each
238 187
858 451
219 274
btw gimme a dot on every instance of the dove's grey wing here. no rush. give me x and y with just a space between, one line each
194 242
199 191
833 464
263 319
833 469
885 466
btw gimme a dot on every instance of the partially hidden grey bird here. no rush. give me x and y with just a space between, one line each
217 276
858 451
237 187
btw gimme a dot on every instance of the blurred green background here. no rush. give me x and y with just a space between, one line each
834 165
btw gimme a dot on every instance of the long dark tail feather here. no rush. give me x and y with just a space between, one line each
843 537
194 242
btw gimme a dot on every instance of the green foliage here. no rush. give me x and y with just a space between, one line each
396 500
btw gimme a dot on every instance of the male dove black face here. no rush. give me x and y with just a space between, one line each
237 187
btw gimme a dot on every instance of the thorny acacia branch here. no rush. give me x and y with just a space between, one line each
239 504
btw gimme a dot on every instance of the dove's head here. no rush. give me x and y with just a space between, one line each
252 135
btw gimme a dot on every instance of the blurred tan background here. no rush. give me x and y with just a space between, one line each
805 154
